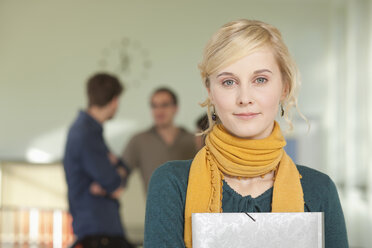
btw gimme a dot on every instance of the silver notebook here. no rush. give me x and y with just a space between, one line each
258 230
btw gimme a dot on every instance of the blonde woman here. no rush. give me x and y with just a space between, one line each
250 78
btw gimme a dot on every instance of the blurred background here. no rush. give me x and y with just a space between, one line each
48 49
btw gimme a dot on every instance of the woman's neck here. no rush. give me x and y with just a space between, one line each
254 186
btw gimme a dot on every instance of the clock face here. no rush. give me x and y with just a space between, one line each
128 60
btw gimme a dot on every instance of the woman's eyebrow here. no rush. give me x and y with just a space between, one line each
225 74
261 71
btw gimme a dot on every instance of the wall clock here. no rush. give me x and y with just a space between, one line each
127 59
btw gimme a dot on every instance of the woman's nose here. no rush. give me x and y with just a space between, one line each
244 96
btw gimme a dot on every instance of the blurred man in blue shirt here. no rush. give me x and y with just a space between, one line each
95 176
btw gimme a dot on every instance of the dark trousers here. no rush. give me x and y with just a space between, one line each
103 241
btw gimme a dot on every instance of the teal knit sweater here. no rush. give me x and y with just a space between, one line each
167 195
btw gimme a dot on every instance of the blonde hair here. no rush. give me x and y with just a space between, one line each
240 38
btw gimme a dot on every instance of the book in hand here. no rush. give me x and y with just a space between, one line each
257 230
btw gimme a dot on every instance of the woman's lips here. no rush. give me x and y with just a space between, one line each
246 116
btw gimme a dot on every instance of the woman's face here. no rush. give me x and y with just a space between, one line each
247 93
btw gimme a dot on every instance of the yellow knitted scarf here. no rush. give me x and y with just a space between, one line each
233 156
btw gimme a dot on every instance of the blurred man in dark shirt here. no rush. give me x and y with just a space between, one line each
95 176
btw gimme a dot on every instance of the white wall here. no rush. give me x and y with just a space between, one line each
48 49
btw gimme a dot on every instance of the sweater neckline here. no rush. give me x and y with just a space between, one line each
264 195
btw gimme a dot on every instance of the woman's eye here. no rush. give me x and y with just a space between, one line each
261 80
228 82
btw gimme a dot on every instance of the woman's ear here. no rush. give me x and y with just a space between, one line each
210 95
285 91
208 87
